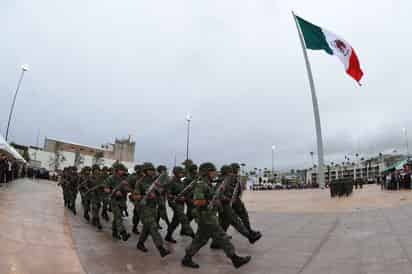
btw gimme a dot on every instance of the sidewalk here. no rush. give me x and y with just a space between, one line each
35 235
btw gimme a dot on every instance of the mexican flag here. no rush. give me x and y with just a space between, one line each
317 38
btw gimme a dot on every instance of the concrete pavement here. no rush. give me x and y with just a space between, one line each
363 238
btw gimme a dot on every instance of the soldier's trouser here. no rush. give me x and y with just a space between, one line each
189 211
86 203
240 210
179 217
204 233
162 213
117 224
105 205
72 199
96 203
136 215
149 220
227 217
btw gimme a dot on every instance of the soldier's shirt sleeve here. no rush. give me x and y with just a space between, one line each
199 192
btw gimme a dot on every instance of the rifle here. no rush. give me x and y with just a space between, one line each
235 192
218 193
187 189
152 187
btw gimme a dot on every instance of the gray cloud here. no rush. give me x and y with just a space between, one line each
102 69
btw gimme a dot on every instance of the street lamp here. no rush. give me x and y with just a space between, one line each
311 155
24 68
188 119
405 132
273 160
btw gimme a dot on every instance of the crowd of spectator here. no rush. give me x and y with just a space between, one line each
397 179
11 170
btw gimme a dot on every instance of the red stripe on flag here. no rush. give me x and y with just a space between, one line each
354 69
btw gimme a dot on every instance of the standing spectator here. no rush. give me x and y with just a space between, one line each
3 169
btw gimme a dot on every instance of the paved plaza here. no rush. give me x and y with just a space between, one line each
304 232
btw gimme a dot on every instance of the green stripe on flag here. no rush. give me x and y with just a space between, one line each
313 35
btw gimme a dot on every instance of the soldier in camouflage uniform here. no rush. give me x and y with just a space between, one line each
173 189
105 203
207 220
162 201
97 195
191 175
64 183
118 188
227 215
73 188
149 204
84 185
133 179
238 205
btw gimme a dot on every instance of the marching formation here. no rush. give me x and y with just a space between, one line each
211 199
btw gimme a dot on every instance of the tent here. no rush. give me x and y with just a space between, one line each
9 151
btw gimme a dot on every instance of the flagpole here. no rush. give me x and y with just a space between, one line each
319 141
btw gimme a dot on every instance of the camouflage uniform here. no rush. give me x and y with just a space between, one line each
97 195
119 189
227 216
238 205
72 188
132 180
84 185
191 174
173 189
162 212
149 210
206 218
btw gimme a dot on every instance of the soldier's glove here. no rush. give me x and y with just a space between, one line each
118 193
200 203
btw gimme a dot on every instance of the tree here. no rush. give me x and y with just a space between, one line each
57 158
78 159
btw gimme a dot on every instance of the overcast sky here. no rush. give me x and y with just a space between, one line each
102 69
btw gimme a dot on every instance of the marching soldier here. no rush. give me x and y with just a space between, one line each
237 203
174 188
227 215
133 179
206 218
148 193
97 195
73 188
106 196
162 200
191 174
118 188
85 183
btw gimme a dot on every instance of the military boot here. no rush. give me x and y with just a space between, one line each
163 251
254 237
115 235
98 224
169 238
105 216
188 262
141 247
86 216
94 221
125 235
135 230
239 261
215 245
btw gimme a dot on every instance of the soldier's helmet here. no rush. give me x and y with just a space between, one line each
192 168
226 169
178 170
95 167
235 166
205 168
161 168
188 163
137 168
119 166
148 166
